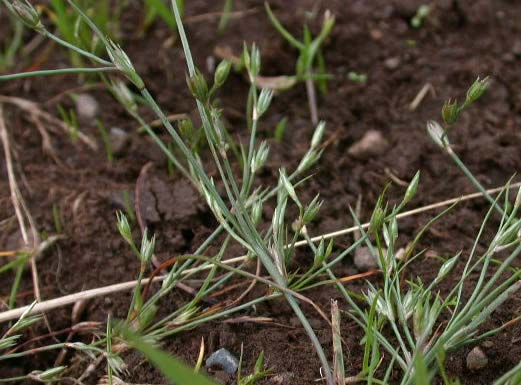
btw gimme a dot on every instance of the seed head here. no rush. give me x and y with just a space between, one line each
450 111
312 210
28 14
263 103
260 157
123 63
410 193
198 86
147 247
477 89
124 227
318 134
437 134
221 73
284 181
49 375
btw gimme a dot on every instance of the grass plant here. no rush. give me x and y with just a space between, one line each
409 326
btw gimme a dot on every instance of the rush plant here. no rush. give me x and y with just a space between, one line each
407 320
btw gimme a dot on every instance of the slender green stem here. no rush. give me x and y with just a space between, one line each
326 266
13 379
41 349
75 48
203 320
466 270
162 146
8 56
63 71
473 179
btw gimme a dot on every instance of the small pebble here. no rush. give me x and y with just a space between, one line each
87 107
365 260
118 140
392 63
476 359
376 34
372 144
516 48
223 359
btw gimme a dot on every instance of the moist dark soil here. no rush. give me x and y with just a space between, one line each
459 41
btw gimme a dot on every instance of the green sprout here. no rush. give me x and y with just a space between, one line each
159 9
309 59
71 121
357 77
421 15
106 140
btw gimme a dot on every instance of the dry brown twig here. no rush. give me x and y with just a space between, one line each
216 15
421 95
22 213
47 146
106 290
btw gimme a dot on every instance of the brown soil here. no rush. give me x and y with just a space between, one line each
454 46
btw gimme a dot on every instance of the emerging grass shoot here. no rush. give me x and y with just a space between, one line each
9 52
310 57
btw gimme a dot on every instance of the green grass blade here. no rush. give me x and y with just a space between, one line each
174 370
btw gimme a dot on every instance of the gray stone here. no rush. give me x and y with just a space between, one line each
223 359
392 63
516 48
87 107
373 143
476 359
119 140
